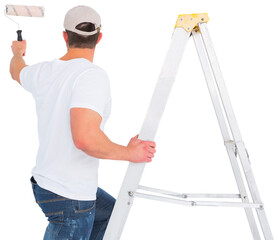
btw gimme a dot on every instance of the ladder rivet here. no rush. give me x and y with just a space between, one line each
188 28
193 204
191 19
261 206
181 19
130 194
184 196
202 19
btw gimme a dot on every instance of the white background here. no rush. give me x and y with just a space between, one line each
190 153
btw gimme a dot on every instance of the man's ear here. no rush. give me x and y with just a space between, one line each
99 37
65 35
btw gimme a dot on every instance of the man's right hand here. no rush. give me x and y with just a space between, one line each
17 62
19 48
140 151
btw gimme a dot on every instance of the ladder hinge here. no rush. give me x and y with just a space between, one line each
189 21
247 154
234 146
235 150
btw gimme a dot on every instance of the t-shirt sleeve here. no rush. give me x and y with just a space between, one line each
91 90
29 77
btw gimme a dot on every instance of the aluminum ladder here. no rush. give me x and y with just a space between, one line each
194 25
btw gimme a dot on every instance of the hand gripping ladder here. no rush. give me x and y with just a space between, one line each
194 25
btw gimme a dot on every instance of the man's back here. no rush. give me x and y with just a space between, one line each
58 86
73 103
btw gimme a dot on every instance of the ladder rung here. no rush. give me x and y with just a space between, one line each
197 203
188 195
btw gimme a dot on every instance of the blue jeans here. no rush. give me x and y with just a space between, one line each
71 219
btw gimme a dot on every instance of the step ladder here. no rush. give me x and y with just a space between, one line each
194 25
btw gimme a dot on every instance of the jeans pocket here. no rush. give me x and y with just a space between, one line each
55 222
53 207
53 210
44 196
84 206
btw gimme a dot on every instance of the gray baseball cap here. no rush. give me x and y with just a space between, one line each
79 15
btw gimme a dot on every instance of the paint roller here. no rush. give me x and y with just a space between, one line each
24 11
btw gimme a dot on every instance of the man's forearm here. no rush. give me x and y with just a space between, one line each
16 65
100 146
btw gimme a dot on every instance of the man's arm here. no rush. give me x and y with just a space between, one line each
17 61
88 137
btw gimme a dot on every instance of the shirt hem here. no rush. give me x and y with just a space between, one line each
63 194
91 107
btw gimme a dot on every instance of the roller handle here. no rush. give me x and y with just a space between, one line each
19 36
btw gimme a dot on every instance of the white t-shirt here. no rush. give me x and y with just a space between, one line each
56 87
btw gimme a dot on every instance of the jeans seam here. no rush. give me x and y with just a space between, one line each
54 213
52 200
82 211
102 227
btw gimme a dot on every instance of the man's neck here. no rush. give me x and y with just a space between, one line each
79 53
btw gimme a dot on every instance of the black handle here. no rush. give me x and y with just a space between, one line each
19 36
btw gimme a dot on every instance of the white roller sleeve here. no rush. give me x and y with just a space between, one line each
148 131
26 11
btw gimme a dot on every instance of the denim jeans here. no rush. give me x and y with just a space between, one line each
71 219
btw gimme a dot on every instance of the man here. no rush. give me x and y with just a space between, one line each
73 103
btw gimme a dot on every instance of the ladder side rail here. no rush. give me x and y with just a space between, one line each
227 106
148 132
210 84
235 129
224 130
220 83
218 111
